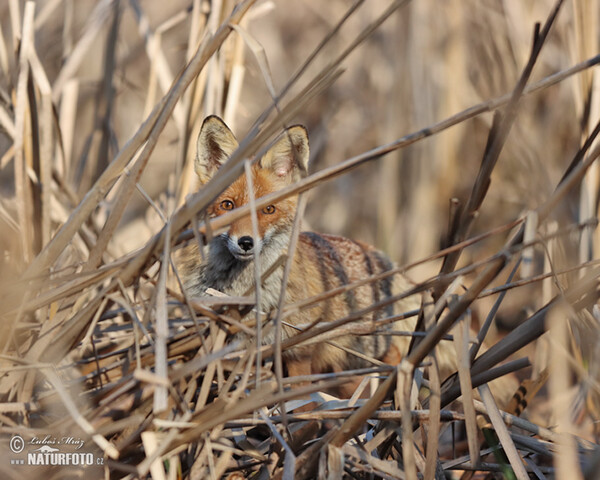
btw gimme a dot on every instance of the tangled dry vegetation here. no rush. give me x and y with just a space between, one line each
458 136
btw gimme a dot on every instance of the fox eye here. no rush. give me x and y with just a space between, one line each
269 209
227 205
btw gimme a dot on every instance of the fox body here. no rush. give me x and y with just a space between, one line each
320 263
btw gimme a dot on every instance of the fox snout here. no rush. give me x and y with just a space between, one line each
242 248
246 243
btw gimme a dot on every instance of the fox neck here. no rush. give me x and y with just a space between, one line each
228 274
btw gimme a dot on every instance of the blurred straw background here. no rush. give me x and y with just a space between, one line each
100 105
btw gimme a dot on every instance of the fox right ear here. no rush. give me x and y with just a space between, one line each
215 145
288 157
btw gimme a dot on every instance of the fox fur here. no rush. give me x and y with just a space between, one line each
321 262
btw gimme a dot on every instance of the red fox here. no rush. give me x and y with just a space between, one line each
321 262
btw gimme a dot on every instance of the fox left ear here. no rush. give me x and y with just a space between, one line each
288 158
215 145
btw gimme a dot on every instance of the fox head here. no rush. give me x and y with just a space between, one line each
284 163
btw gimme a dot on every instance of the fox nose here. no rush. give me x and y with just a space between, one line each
246 243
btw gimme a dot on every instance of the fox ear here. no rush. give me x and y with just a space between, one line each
288 158
215 144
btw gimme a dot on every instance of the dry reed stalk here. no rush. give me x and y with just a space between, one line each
257 269
67 122
404 398
3 55
483 331
432 465
22 185
586 91
542 277
507 444
236 80
14 11
461 344
46 140
100 15
565 461
191 103
162 334
160 66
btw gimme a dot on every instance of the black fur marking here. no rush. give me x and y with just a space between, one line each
222 267
385 285
519 396
361 345
326 249
370 271
378 349
522 406
312 237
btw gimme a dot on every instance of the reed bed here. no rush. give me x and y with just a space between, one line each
457 136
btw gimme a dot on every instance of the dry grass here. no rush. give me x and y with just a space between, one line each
455 135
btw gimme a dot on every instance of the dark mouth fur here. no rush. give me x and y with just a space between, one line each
243 256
